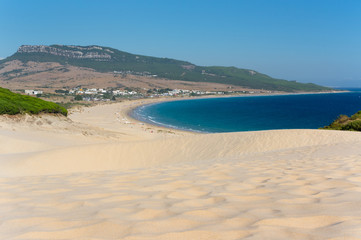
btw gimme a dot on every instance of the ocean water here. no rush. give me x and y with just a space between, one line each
251 113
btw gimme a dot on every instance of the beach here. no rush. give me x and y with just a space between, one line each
99 174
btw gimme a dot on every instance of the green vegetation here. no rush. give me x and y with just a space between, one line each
123 63
346 123
14 103
108 96
72 104
78 98
62 91
158 90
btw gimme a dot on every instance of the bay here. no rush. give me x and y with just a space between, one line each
251 113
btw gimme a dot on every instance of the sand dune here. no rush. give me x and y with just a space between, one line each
101 177
140 154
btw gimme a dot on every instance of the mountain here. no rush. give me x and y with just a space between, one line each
110 60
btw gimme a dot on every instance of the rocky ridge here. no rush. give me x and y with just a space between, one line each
78 52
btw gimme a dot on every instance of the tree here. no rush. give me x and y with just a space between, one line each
78 98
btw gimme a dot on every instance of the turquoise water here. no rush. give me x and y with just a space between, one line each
251 113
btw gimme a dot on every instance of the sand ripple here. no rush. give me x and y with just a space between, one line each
301 201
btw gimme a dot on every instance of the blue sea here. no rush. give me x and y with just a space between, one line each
251 113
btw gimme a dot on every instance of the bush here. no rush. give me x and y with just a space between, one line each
78 98
62 91
356 116
344 122
13 103
353 126
342 119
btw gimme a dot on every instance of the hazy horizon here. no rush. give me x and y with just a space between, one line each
306 41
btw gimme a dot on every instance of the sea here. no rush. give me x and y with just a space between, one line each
251 113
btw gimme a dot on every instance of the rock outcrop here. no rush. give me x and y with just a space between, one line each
92 52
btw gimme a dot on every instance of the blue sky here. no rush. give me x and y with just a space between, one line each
309 41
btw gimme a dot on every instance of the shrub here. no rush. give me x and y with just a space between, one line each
13 103
78 98
353 126
356 116
344 122
342 119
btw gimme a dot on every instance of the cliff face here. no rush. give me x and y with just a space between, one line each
93 52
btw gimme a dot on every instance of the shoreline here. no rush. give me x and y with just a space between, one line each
144 102
152 101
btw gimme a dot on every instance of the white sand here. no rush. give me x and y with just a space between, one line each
105 176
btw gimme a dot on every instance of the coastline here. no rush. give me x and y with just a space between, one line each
148 101
128 112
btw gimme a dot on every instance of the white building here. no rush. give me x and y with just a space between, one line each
33 92
29 92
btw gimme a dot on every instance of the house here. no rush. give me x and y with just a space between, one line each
29 92
33 92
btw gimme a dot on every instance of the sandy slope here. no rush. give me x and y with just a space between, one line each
105 176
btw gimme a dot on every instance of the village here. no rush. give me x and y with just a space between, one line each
111 94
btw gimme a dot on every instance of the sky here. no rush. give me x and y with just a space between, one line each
315 41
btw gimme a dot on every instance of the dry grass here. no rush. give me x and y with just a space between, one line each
51 76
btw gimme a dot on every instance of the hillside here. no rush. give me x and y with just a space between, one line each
346 123
108 60
13 103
